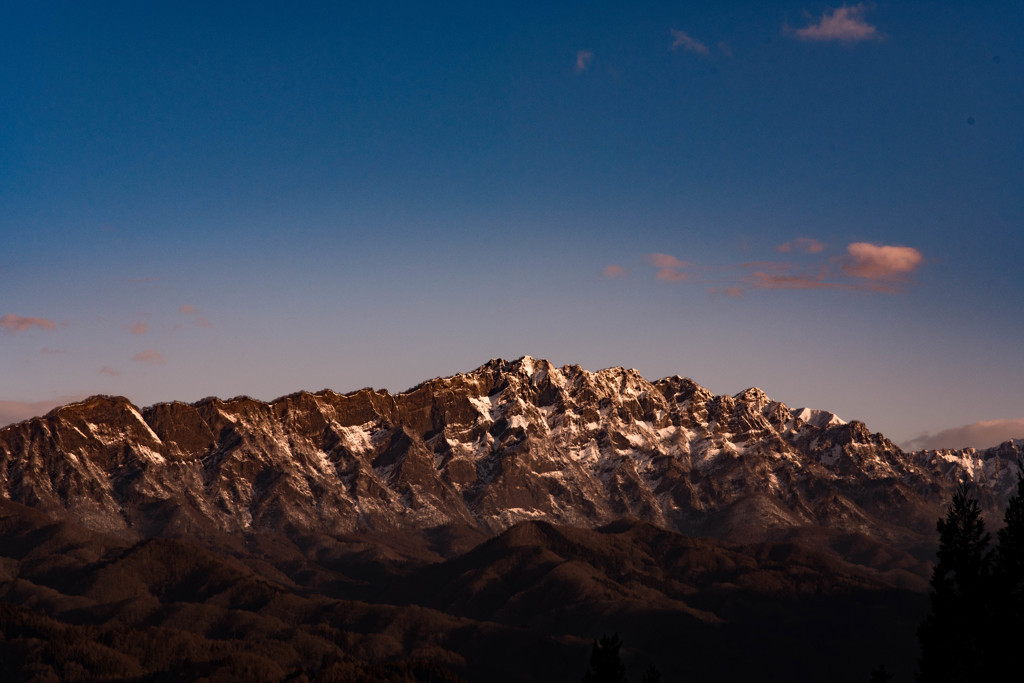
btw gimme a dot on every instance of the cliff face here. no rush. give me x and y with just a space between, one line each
507 442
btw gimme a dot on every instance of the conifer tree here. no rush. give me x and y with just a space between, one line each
1008 579
954 637
880 674
652 675
605 664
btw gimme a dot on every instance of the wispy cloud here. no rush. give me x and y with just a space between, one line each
672 275
669 267
138 328
666 261
613 271
190 310
682 40
583 60
107 370
763 280
17 323
802 244
149 356
16 411
843 25
881 262
863 267
982 434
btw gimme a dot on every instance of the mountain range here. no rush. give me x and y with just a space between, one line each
438 532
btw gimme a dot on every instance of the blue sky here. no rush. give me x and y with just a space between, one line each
826 202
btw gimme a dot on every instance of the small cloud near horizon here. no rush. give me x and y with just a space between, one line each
138 328
189 309
669 267
107 370
613 271
873 268
17 323
149 356
666 261
981 434
681 40
762 280
802 244
583 59
880 262
842 25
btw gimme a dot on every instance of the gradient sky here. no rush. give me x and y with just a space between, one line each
209 199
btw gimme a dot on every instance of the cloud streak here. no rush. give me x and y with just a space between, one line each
805 245
17 323
842 25
666 261
669 267
192 311
981 434
864 267
149 356
583 60
681 40
613 271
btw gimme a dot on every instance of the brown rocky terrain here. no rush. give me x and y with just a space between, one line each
441 532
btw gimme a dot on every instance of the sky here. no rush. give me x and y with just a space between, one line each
824 201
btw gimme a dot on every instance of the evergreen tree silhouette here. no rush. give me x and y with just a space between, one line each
1008 580
880 674
652 675
605 664
954 636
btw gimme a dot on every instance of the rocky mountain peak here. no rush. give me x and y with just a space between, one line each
510 441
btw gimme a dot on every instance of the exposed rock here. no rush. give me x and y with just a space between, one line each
507 442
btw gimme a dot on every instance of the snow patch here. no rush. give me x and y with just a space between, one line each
818 418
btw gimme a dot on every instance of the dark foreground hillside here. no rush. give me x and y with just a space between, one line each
525 605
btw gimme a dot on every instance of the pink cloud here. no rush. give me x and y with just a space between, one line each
874 262
682 40
149 356
583 59
982 434
666 261
107 370
189 309
139 328
802 244
613 271
17 323
671 275
762 280
844 25
733 292
16 411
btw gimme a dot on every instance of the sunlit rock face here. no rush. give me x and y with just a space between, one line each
509 441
